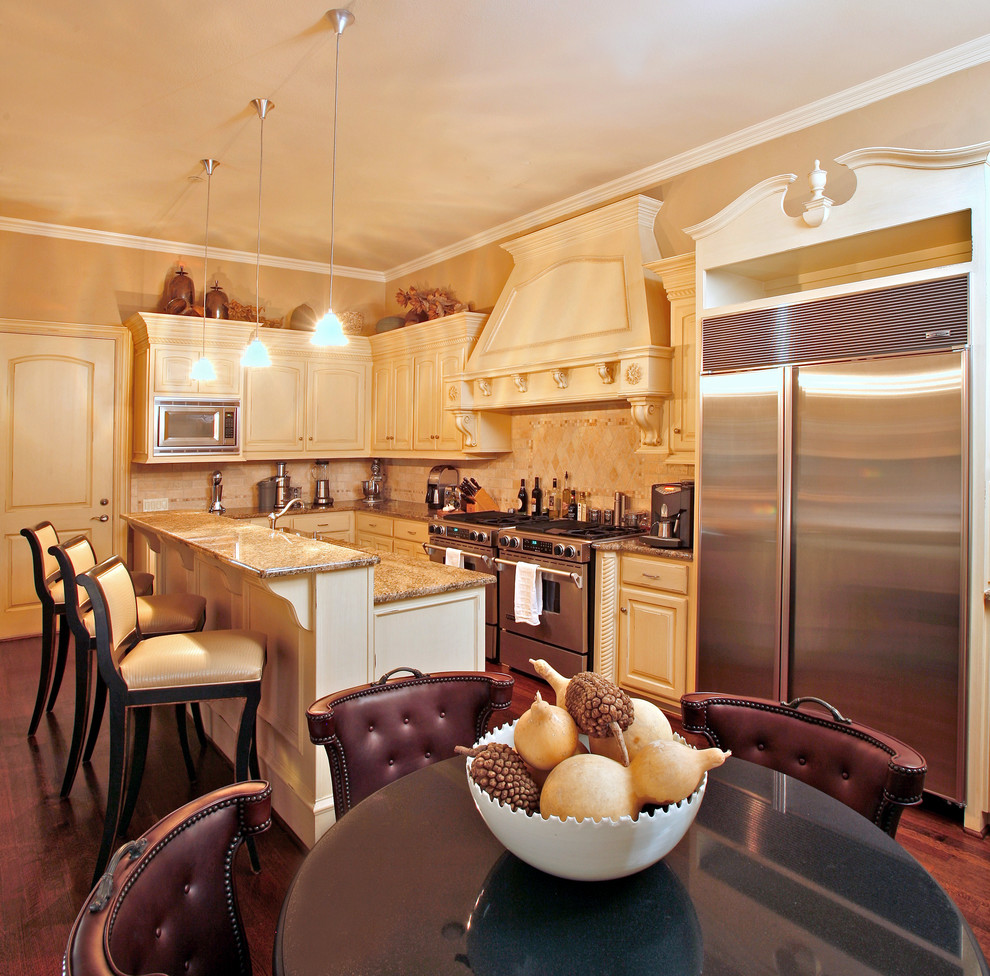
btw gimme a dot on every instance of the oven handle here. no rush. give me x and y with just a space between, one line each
575 578
487 560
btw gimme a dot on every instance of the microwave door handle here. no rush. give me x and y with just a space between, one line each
217 416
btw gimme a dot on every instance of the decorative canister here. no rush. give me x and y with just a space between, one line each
180 292
216 302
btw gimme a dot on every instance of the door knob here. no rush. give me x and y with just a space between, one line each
100 518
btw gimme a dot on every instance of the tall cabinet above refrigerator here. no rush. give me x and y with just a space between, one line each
843 452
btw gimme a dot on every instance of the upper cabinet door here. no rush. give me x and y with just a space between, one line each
274 405
173 369
425 418
336 418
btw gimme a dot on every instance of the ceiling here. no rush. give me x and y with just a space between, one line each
456 118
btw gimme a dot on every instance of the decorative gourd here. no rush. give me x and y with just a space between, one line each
545 734
556 681
600 788
649 724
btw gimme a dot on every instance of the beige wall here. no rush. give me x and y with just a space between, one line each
52 280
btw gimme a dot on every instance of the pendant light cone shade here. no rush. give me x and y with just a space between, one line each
203 369
329 331
256 354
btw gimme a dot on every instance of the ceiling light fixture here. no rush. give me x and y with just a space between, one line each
203 369
329 331
256 354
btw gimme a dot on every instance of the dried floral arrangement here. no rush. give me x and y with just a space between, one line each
237 312
426 304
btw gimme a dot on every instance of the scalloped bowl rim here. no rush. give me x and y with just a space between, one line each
584 850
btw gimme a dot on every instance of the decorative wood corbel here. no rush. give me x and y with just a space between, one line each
521 382
607 372
466 423
560 378
647 414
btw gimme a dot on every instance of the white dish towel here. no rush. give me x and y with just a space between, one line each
454 557
528 597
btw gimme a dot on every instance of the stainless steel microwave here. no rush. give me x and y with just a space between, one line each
191 427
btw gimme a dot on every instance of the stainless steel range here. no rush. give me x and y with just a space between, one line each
564 551
475 534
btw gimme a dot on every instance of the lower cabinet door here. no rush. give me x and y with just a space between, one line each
652 652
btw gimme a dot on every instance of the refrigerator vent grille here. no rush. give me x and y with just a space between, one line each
919 317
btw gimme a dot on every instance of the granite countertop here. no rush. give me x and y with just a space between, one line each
417 511
252 548
636 545
402 577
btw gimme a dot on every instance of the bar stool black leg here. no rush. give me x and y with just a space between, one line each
84 669
245 740
44 679
135 769
180 724
63 653
198 723
99 706
115 786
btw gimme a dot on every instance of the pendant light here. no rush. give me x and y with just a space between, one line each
203 369
256 354
329 331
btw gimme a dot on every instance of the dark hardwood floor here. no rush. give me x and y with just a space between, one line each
47 845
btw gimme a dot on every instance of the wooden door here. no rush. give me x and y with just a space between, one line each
57 415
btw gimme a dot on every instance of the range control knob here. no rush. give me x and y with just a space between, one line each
482 537
558 550
473 535
441 530
431 528
569 552
509 541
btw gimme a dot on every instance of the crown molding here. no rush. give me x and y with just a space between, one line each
914 75
17 225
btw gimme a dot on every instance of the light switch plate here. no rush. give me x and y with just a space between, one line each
156 505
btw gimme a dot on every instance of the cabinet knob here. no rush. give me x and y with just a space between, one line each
623 609
310 436
677 430
100 518
300 437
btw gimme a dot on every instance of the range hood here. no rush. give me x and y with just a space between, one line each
580 321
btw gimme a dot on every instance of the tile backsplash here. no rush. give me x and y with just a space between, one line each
595 447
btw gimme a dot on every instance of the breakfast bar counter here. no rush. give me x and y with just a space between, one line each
334 617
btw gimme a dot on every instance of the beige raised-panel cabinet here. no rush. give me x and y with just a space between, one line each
408 537
273 411
173 369
677 275
393 426
373 531
336 417
434 428
63 452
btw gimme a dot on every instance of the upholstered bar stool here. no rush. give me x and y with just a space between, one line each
48 586
172 613
166 670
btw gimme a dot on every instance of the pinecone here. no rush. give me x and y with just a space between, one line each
595 703
499 770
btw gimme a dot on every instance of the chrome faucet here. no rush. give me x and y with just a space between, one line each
273 517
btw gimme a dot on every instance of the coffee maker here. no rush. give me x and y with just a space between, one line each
438 490
671 516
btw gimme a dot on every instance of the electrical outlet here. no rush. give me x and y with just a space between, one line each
156 505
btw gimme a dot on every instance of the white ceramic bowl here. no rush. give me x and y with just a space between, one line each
589 850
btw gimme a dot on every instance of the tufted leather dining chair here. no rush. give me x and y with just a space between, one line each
48 587
171 613
378 732
869 771
166 670
167 902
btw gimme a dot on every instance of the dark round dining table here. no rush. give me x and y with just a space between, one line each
773 878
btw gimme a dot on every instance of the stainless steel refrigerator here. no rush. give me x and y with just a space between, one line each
833 545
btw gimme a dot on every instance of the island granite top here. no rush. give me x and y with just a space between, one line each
268 554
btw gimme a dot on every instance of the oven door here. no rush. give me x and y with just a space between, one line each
562 636
479 562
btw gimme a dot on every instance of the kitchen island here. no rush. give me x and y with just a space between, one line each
334 616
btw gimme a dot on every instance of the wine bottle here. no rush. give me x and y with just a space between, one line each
523 497
572 506
553 504
537 498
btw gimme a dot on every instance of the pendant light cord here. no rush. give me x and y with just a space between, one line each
209 165
257 267
333 160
